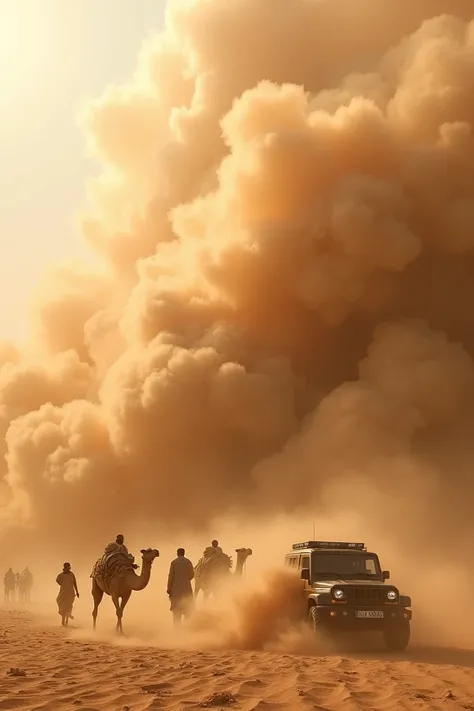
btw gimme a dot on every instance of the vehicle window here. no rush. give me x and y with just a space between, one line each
344 565
304 562
370 566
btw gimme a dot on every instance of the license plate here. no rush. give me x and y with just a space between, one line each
369 613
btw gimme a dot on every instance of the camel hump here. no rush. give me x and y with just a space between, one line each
111 565
210 564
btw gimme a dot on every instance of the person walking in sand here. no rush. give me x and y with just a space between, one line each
25 584
9 585
67 593
179 588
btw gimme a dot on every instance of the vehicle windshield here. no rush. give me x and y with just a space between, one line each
344 565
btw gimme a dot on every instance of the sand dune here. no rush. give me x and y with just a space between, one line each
65 673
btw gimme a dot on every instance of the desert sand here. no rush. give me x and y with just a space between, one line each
276 320
62 672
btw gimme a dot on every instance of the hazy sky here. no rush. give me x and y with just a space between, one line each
53 55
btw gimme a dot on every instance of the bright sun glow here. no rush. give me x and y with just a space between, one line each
8 35
34 232
14 48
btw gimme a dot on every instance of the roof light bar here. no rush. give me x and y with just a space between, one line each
329 544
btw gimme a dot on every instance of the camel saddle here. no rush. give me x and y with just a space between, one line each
207 562
109 566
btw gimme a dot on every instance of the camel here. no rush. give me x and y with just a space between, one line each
121 582
210 573
25 583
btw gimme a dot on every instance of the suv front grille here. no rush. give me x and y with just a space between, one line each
359 594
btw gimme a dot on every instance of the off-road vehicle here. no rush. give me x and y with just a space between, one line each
345 590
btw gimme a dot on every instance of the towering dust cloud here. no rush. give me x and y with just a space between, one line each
286 214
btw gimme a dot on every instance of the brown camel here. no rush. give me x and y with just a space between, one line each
208 575
121 583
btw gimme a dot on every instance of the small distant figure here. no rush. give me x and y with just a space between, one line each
67 593
213 550
17 586
9 581
216 546
179 588
25 583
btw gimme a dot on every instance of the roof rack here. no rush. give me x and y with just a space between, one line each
329 544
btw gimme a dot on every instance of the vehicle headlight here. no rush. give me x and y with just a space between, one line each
338 593
392 595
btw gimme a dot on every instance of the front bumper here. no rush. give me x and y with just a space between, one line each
345 617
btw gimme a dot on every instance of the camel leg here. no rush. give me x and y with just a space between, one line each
125 599
119 607
206 591
97 594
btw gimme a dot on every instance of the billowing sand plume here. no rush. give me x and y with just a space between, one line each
286 218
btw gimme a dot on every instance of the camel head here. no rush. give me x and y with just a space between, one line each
149 554
243 554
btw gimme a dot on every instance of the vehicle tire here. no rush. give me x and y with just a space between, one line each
313 620
397 637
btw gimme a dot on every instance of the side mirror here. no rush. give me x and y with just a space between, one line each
305 574
386 575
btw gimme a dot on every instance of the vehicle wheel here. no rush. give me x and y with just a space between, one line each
397 637
313 620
